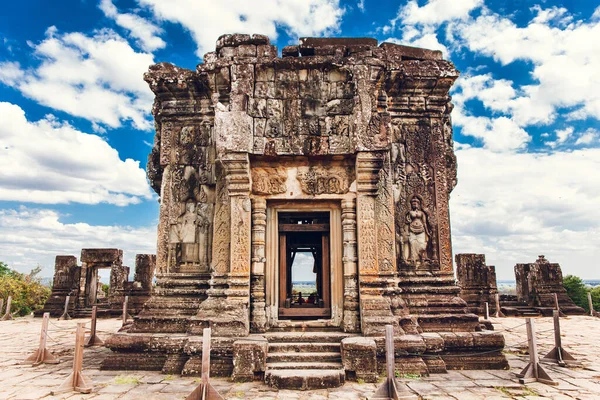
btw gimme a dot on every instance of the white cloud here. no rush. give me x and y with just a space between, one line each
30 236
50 162
207 20
99 78
498 134
435 12
146 33
515 206
566 63
588 137
361 5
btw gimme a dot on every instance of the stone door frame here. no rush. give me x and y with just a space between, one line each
272 260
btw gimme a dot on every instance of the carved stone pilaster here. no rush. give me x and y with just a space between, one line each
226 310
258 319
349 260
375 269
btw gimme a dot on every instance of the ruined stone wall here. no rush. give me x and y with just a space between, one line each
477 282
81 283
538 282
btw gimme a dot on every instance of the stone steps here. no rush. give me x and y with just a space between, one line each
304 347
306 379
306 360
305 365
291 357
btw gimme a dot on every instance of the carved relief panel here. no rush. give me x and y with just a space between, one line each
414 192
316 180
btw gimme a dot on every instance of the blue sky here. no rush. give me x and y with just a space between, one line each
75 123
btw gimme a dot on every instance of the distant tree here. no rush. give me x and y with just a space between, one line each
28 293
576 290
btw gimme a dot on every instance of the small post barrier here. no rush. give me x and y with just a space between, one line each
593 312
487 311
558 354
93 339
390 388
499 313
205 391
125 313
77 381
1 305
534 372
65 315
8 315
557 306
42 355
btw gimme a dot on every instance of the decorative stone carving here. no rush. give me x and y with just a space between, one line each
417 236
318 180
269 180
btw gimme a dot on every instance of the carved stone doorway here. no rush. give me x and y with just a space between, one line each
304 269
313 231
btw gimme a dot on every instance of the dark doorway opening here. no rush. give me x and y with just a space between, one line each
304 270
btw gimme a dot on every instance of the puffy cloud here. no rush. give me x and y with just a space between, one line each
207 20
566 63
146 33
515 206
588 137
95 77
51 162
435 12
31 236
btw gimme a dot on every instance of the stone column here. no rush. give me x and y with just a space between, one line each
349 259
258 319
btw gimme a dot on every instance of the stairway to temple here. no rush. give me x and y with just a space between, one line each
305 360
511 307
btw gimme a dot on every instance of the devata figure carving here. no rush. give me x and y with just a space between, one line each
415 248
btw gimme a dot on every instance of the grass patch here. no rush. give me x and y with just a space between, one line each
360 381
169 378
503 390
126 380
407 376
240 394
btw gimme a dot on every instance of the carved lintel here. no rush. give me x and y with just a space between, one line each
269 180
322 180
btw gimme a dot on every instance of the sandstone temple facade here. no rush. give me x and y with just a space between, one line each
340 151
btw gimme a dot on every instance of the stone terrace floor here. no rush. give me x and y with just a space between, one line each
19 338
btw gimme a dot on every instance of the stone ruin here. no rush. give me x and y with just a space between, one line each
536 284
477 282
339 152
82 284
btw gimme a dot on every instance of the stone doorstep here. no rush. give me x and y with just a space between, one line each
308 379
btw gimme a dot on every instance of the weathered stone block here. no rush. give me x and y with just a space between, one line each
359 355
249 358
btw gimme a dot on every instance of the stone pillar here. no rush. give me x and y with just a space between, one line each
258 319
144 270
376 265
477 282
349 259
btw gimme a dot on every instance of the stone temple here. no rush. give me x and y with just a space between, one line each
339 152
